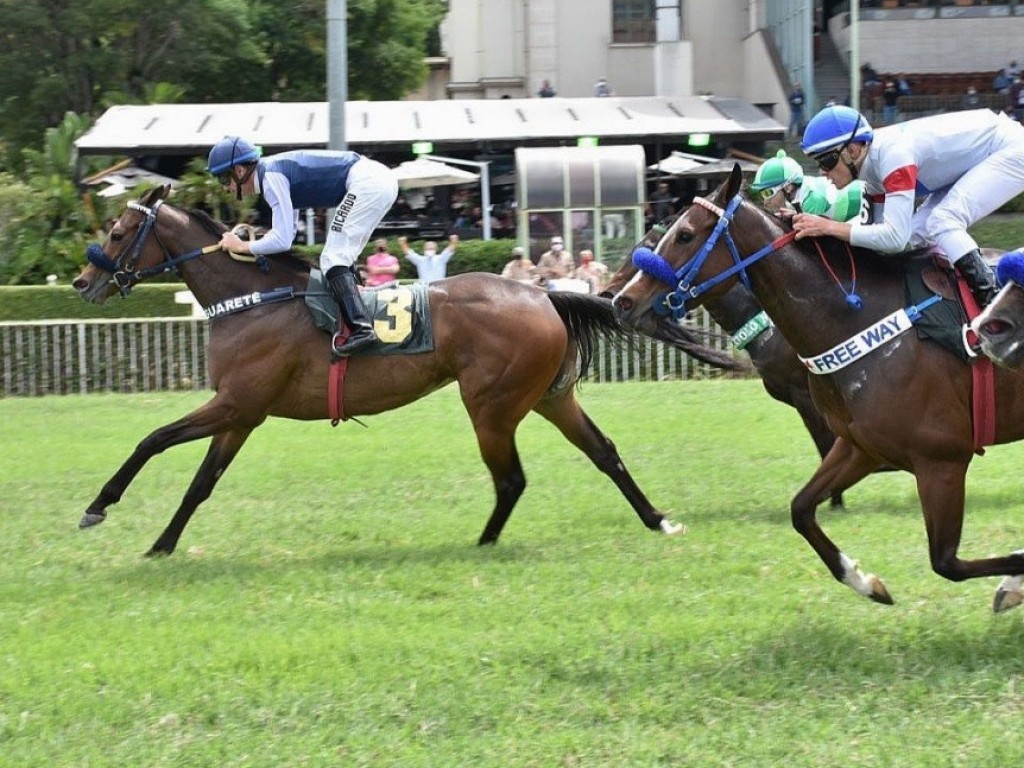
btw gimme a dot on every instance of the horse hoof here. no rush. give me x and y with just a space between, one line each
89 519
1004 600
671 529
879 593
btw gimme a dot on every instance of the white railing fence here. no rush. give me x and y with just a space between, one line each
59 357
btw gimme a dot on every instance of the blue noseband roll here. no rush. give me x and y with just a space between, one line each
95 255
648 262
1011 267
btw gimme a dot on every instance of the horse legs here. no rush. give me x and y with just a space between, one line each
823 437
843 466
571 420
223 448
498 449
212 418
940 486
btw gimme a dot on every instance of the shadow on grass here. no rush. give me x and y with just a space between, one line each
183 568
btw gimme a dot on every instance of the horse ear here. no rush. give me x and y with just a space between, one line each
156 193
734 182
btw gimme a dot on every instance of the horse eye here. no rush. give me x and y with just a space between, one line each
116 236
685 237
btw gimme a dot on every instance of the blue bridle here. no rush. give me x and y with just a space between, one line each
674 302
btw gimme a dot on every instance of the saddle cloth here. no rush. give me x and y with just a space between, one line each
400 315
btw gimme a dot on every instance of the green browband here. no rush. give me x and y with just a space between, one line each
751 329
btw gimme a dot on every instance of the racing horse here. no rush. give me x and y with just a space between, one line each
511 348
889 396
783 375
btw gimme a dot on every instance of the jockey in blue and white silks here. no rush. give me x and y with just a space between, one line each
359 190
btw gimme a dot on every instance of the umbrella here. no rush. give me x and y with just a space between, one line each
415 174
674 164
720 168
125 178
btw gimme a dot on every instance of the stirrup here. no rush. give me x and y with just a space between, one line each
344 343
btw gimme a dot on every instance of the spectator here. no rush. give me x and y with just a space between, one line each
360 190
603 88
971 99
1017 98
521 269
556 262
1013 70
594 272
662 203
381 267
869 76
890 96
796 111
430 265
1001 82
546 90
903 85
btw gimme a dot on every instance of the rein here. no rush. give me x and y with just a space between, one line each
123 270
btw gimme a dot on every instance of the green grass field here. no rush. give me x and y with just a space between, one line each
328 605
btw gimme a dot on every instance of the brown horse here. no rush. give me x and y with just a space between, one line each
889 396
738 313
511 348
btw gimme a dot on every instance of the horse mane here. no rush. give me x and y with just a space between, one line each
217 228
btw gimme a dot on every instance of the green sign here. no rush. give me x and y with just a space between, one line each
586 141
422 147
699 139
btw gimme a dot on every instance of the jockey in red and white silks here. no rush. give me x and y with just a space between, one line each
965 165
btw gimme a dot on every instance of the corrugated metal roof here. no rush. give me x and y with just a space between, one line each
193 128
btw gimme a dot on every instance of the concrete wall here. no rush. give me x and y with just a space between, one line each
934 45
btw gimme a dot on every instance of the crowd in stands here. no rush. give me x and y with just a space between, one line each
892 97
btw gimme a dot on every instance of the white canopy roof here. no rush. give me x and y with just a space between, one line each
194 128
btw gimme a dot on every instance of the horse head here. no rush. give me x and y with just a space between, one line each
1001 326
698 245
131 252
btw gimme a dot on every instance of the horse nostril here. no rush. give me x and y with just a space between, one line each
623 304
996 327
79 284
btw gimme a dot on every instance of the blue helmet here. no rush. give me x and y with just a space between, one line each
835 127
229 152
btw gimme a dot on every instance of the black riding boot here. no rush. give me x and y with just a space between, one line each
979 277
352 313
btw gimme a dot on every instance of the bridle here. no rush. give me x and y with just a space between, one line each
682 279
123 269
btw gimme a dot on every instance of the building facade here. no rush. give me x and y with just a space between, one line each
508 48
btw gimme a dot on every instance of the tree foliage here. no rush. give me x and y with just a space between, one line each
66 61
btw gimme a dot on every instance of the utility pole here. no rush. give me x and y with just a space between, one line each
337 71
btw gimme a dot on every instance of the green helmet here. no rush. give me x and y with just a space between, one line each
777 172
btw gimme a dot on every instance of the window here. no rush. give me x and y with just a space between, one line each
633 21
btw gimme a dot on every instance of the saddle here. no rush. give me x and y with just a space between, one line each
925 275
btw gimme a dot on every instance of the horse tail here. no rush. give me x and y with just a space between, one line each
589 317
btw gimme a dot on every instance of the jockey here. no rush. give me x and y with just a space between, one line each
966 165
359 189
786 190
